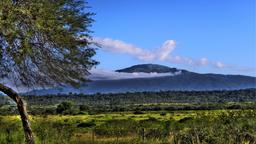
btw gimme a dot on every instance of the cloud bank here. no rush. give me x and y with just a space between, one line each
163 53
101 74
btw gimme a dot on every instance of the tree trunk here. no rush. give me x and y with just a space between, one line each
22 111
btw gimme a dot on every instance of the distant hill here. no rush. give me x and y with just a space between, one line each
149 68
184 81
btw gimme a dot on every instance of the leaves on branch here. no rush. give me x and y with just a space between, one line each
45 42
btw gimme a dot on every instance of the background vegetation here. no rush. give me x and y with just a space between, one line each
201 117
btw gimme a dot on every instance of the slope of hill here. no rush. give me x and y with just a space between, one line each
185 80
149 68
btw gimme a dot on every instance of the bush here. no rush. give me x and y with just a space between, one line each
84 108
163 114
183 120
65 107
86 124
138 112
116 128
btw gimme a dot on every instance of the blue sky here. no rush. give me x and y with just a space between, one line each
206 36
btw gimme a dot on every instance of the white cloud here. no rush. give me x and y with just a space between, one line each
166 49
163 53
118 46
204 61
219 64
101 74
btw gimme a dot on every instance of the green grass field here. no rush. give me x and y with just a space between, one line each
153 127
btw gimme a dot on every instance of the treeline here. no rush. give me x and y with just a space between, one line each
136 102
192 97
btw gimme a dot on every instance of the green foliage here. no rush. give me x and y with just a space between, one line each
184 127
65 107
45 42
86 124
116 128
49 132
84 108
195 98
154 101
10 132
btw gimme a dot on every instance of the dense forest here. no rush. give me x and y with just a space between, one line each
195 97
137 102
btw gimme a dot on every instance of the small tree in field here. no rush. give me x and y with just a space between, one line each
43 43
65 107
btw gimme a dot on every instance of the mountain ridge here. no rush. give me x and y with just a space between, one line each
149 68
184 81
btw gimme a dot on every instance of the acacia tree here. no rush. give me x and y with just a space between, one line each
43 43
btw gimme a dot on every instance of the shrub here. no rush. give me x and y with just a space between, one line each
84 108
65 107
163 114
183 120
116 128
86 124
138 112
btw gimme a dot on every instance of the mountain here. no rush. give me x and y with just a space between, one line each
174 79
149 68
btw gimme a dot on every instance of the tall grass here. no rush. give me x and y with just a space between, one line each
184 127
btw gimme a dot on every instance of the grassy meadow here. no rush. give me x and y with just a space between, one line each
207 117
150 127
